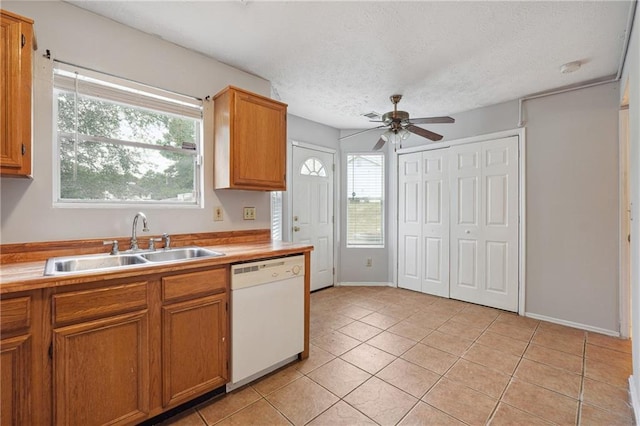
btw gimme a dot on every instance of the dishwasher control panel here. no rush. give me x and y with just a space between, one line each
265 271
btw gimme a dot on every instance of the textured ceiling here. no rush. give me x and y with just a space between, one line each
334 61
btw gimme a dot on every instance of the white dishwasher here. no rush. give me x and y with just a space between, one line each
267 316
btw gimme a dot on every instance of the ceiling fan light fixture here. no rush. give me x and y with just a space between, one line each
395 136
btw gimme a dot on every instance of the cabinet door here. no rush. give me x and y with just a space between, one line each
258 143
15 376
15 95
101 371
194 348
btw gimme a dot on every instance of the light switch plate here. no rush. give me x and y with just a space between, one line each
218 216
249 213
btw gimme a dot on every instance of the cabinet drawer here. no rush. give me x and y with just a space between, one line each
97 303
194 284
15 314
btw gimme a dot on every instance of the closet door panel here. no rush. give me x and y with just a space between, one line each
410 221
484 225
435 226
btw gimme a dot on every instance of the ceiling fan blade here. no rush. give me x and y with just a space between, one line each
362 131
431 120
379 145
424 132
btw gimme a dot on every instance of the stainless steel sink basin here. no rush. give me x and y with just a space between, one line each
101 262
182 253
70 264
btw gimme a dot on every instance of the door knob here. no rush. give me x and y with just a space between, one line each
467 232
295 218
296 229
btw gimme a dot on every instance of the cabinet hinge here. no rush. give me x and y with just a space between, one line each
51 350
333 167
334 271
24 149
23 40
226 306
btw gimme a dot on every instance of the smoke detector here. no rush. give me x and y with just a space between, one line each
570 67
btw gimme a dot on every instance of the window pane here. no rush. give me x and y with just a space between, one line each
113 151
365 200
93 171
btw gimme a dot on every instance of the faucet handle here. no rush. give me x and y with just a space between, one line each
152 243
114 246
167 241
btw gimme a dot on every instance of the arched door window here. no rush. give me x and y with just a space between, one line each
313 167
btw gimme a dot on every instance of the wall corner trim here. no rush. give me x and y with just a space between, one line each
365 284
573 324
635 403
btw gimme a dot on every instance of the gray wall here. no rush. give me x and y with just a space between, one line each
571 201
83 38
572 206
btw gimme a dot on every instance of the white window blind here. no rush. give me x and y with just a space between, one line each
276 215
365 200
91 83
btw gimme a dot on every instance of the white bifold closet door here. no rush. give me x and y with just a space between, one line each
424 218
458 222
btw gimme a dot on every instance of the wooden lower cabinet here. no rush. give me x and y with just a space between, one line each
193 348
15 376
129 350
16 359
101 371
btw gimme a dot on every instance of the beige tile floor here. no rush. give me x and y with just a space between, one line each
388 356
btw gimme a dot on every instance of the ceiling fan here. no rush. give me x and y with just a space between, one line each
401 126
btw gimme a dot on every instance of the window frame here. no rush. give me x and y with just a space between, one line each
383 198
174 105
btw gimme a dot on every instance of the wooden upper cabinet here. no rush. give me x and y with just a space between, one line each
250 141
15 95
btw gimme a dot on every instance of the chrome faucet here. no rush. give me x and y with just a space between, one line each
145 228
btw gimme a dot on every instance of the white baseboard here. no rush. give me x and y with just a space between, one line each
573 324
635 403
364 284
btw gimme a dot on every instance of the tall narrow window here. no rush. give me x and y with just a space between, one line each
276 215
365 200
121 142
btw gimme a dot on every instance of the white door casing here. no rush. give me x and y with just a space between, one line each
484 223
312 210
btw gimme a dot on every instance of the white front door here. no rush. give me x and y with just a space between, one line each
312 210
484 223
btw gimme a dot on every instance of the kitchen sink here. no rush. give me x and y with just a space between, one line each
69 264
182 253
101 262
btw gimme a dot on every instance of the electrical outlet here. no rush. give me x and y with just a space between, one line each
249 213
369 262
217 214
